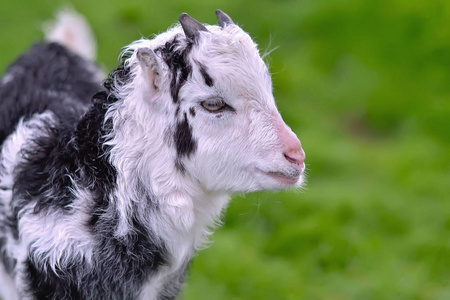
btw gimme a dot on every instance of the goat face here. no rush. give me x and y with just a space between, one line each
228 133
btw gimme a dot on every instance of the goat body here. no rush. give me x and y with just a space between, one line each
106 191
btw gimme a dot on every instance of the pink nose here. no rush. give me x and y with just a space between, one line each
293 151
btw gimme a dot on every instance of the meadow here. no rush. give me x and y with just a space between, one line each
366 87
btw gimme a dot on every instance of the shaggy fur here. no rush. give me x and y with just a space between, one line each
107 191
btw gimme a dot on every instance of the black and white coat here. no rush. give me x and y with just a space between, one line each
106 191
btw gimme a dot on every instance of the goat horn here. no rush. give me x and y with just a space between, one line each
191 27
223 19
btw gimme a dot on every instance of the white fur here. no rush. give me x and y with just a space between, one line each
59 239
8 290
73 31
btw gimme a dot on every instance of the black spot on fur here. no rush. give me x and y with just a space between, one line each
192 111
184 141
125 262
128 260
120 75
8 262
180 166
208 80
178 63
46 77
65 154
121 267
48 285
89 140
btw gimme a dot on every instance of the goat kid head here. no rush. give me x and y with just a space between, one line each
214 92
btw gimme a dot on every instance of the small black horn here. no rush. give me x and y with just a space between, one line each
191 27
223 19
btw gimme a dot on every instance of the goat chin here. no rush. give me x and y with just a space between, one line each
107 191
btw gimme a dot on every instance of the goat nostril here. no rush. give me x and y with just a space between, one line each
291 159
296 157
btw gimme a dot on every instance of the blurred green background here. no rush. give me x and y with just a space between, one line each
366 87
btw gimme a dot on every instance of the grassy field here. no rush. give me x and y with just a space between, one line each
366 86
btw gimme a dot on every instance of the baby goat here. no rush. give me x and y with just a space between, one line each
106 192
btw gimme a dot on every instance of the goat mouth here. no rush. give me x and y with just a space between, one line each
286 178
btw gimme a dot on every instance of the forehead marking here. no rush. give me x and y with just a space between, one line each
177 61
206 77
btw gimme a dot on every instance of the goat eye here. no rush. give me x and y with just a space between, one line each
213 104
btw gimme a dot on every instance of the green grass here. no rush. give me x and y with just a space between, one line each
366 86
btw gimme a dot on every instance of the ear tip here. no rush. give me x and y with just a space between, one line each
183 16
143 51
146 56
191 27
223 19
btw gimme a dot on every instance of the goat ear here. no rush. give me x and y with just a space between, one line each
150 67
